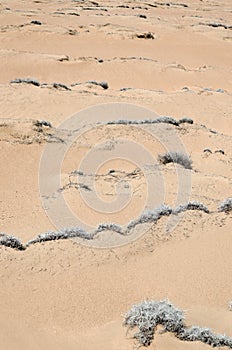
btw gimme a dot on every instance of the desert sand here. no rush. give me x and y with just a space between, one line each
171 59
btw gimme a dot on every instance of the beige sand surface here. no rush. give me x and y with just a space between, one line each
69 295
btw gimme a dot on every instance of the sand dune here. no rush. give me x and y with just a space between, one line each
59 60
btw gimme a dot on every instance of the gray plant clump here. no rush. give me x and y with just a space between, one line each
176 157
147 35
163 119
217 25
147 315
109 227
230 306
40 123
126 88
226 205
61 86
103 84
220 151
11 242
38 23
26 81
205 335
185 120
191 206
150 216
62 234
207 150
167 120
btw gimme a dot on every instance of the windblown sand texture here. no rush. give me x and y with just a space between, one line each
173 58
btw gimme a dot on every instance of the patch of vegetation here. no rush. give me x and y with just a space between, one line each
11 242
147 35
109 227
147 315
186 120
38 23
61 86
163 119
62 234
226 205
191 206
204 335
26 81
103 84
150 216
176 157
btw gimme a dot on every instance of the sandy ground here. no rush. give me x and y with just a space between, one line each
68 294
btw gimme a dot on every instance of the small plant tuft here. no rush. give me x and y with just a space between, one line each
62 234
191 206
226 205
26 81
109 227
147 35
40 123
11 242
61 86
186 120
38 23
150 216
176 157
230 306
103 84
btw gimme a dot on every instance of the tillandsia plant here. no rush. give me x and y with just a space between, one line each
226 205
62 234
176 157
148 216
162 119
193 205
26 81
11 242
146 316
